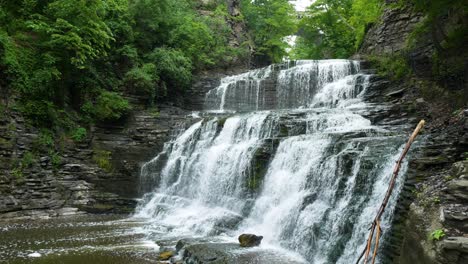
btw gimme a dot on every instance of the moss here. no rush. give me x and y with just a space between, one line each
222 121
103 159
256 179
154 112
258 172
17 173
2 111
5 143
283 131
11 129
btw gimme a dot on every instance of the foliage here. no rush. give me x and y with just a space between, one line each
41 113
335 28
55 159
269 22
81 55
17 173
363 14
103 159
110 106
173 67
45 140
393 66
28 159
79 134
142 80
437 234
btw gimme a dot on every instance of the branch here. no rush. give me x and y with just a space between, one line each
376 222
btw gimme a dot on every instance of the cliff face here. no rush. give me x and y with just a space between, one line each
434 198
390 36
99 174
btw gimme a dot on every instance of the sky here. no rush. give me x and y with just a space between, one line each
301 5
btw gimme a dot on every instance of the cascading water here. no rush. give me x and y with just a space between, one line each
308 174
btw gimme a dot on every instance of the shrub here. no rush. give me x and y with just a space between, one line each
55 160
40 113
102 159
393 66
17 173
27 160
44 141
142 80
173 68
437 234
110 106
79 134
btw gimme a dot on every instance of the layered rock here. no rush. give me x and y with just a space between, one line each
72 178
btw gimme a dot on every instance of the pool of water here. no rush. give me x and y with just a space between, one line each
76 239
113 239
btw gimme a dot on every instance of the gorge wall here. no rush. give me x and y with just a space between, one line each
46 176
435 194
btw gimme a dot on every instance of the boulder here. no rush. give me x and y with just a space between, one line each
250 240
166 255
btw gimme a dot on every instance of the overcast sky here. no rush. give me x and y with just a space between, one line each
301 5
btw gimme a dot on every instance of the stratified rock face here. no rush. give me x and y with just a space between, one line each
390 34
73 180
250 240
288 85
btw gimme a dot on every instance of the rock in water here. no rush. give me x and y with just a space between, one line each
166 255
250 240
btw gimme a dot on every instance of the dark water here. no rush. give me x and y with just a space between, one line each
78 239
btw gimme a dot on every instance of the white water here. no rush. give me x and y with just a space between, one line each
321 185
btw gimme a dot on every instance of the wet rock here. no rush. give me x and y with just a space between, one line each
398 92
250 240
231 253
455 243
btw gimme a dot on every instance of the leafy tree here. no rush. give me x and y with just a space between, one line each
83 55
335 28
269 22
363 14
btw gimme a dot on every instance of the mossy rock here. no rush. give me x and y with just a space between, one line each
166 255
259 169
250 240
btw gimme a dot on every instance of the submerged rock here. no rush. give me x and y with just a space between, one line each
231 253
250 240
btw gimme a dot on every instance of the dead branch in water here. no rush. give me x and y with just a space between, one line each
376 222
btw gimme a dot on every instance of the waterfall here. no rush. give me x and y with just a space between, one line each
297 162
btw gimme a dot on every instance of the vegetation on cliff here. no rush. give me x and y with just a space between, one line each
58 55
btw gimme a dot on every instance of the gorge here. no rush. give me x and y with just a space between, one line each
158 131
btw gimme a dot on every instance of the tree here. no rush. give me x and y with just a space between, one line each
335 28
269 22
